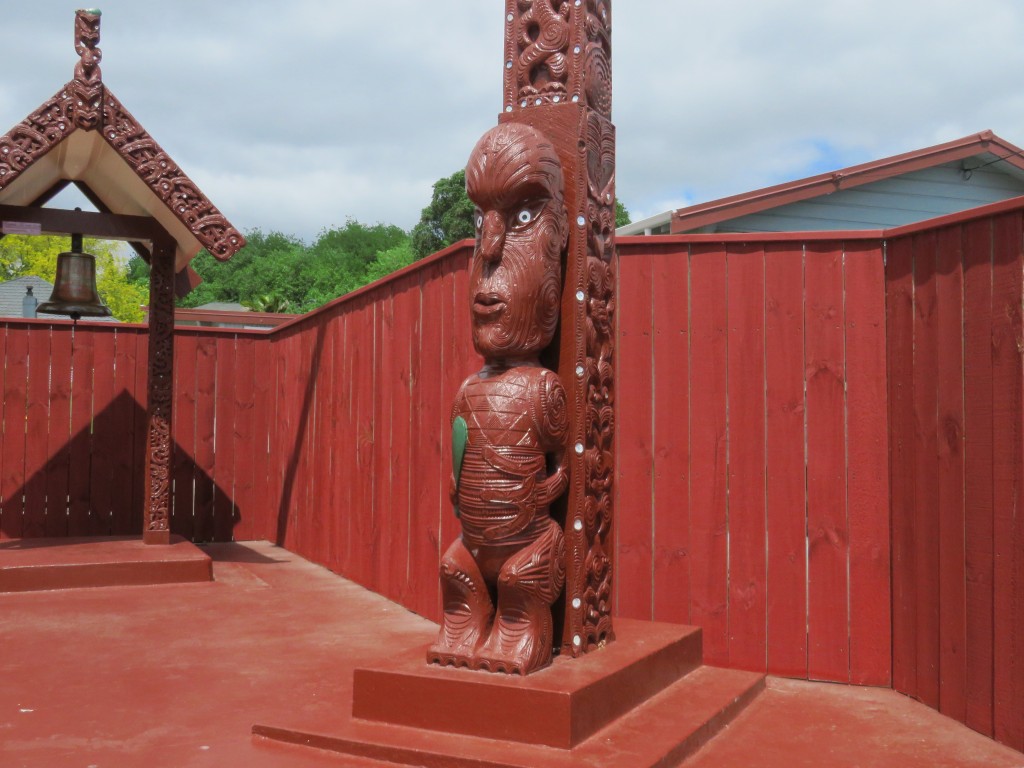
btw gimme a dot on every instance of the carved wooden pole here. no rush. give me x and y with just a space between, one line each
160 393
558 80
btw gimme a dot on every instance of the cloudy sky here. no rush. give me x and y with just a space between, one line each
297 115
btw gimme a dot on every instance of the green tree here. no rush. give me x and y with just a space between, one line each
22 255
447 219
621 215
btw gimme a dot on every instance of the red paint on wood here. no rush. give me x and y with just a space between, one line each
786 478
247 445
12 480
224 440
828 533
127 421
952 596
406 312
58 433
429 497
978 510
206 381
708 514
1007 380
367 524
184 424
900 333
101 466
36 429
140 446
384 480
634 439
83 388
868 467
670 282
926 539
746 383
263 510
456 338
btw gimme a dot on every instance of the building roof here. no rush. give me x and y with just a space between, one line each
871 195
85 135
12 292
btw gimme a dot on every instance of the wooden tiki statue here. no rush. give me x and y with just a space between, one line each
532 431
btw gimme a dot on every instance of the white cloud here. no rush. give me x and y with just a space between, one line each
296 116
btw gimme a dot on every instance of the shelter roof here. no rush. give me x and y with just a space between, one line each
84 135
974 151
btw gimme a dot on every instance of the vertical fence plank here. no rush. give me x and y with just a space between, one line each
708 430
405 313
634 436
671 287
828 535
1007 381
425 547
127 419
224 444
36 426
83 387
868 470
140 445
786 477
386 363
263 508
457 339
204 471
58 432
900 333
748 611
184 421
951 596
926 494
101 468
246 442
12 482
978 472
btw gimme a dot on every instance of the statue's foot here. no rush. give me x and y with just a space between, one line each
449 657
518 644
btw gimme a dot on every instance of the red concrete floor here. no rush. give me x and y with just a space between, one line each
176 675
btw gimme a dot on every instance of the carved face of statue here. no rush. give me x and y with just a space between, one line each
515 180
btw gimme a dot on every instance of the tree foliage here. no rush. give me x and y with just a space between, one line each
448 218
275 272
22 255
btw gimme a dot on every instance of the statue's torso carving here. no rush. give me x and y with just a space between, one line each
515 419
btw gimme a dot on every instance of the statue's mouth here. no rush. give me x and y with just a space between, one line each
488 305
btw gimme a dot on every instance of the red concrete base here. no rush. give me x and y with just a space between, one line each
36 564
642 701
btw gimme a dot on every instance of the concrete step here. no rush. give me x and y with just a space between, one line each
661 732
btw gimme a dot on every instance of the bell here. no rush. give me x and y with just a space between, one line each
74 290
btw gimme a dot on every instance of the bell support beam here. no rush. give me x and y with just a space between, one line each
160 394
160 384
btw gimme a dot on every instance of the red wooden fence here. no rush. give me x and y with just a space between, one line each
753 493
783 400
955 388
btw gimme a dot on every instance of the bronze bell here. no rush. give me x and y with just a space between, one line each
74 289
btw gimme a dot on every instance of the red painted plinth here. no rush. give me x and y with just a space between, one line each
35 564
641 701
559 706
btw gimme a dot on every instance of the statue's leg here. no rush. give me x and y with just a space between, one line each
468 609
529 582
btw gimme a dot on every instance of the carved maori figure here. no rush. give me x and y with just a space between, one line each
510 420
543 47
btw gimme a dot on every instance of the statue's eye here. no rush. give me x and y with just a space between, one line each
525 216
479 221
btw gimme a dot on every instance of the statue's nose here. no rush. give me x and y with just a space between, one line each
492 236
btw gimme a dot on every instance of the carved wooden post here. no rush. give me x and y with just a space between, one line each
160 394
558 80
